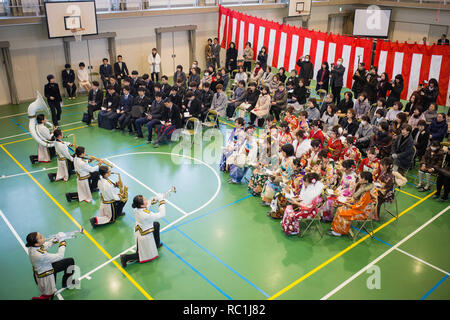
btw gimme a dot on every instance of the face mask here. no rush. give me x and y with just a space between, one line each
306 59
206 74
364 123
338 63
434 148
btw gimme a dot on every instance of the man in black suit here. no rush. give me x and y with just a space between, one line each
154 115
215 50
150 85
106 72
140 100
443 40
306 69
115 84
54 100
95 100
165 87
126 103
337 80
110 105
68 78
171 120
120 68
191 107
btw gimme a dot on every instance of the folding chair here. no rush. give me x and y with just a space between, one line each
364 222
322 93
196 125
211 119
393 214
315 220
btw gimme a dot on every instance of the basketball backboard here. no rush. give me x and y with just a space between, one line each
63 17
299 8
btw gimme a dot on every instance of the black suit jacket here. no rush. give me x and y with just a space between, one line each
174 116
97 97
195 108
105 71
67 77
144 102
114 99
121 72
52 90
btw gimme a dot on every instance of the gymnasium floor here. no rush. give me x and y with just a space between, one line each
218 241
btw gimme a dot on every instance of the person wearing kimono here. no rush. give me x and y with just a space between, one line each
234 142
304 206
285 135
350 152
371 163
111 205
334 143
291 119
385 185
87 177
262 106
282 174
301 144
313 154
243 158
291 188
345 189
46 265
326 169
146 229
65 159
358 208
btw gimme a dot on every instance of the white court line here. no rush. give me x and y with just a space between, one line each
21 242
353 277
25 173
423 261
26 133
219 185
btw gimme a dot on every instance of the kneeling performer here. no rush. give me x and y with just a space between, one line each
65 159
112 202
47 265
146 230
87 177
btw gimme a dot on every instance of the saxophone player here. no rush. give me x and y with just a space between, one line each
112 202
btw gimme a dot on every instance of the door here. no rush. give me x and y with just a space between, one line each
5 97
435 32
174 51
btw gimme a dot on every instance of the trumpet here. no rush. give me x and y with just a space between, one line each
92 158
165 195
74 140
123 193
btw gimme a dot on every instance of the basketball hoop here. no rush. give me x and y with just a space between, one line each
77 33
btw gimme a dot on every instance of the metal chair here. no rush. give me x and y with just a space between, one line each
211 119
362 223
196 125
315 220
395 215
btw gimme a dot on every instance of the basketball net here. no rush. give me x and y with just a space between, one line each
77 33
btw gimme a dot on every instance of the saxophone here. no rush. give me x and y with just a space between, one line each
123 190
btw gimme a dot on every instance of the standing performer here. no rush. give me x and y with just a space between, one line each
51 92
65 159
87 177
146 230
44 154
47 265
112 202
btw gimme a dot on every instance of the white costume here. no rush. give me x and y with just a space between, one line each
43 152
301 148
83 170
157 60
108 196
83 77
309 193
42 265
62 150
143 231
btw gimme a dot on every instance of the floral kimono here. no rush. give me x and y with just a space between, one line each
351 153
372 166
279 202
259 175
285 138
234 142
282 175
335 148
303 125
293 122
244 158
358 209
311 200
345 189
312 157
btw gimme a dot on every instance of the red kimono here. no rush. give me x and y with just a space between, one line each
351 153
372 166
318 135
293 122
335 148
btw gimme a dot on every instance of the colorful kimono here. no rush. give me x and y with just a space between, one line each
311 200
351 153
317 135
293 122
279 202
235 140
335 148
372 166
282 175
312 157
285 138
303 125
246 157
359 210
345 189
386 191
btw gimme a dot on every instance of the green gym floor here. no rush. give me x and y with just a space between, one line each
218 241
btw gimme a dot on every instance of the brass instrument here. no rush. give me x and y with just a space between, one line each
74 140
63 236
165 194
92 158
123 193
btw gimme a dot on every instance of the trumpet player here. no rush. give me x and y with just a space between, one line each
87 176
65 159
111 203
146 229
44 154
46 265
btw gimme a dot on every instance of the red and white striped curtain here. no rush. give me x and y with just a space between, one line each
286 44
416 63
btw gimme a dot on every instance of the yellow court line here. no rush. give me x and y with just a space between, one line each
127 275
26 139
310 273
409 194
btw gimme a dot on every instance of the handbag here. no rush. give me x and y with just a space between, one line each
85 117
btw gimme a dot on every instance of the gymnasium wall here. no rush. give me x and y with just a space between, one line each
34 55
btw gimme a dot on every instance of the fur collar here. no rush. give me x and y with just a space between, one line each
362 190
